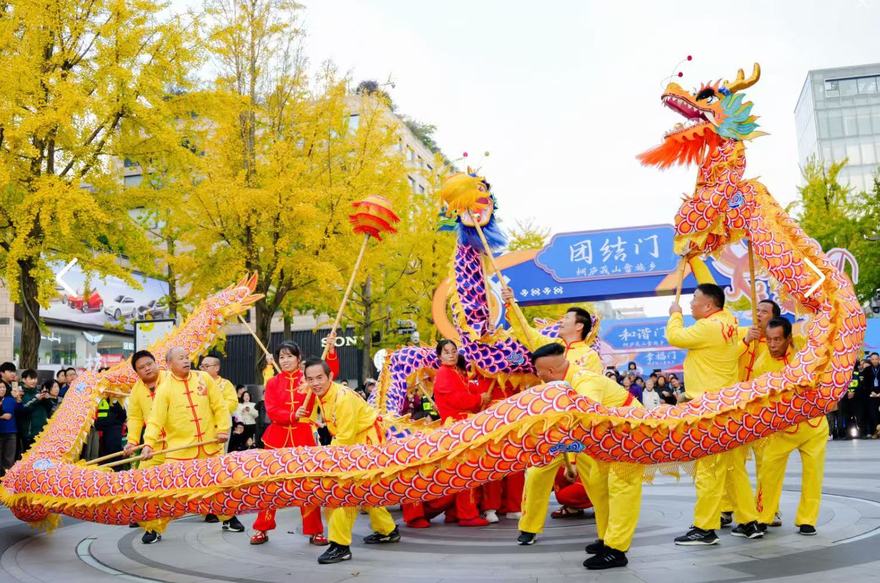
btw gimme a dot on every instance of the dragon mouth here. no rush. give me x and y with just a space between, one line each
695 116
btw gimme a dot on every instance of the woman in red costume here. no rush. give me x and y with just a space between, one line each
455 398
290 406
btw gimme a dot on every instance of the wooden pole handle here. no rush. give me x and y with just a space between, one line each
514 307
160 452
357 265
109 456
260 343
682 266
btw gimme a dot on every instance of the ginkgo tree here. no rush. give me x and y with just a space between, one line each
82 80
280 164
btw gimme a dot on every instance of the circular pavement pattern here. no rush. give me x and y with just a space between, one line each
192 550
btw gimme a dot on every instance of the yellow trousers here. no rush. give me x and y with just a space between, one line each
711 477
757 449
342 523
616 493
810 441
538 486
160 524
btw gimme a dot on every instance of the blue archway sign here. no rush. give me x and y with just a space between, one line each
600 265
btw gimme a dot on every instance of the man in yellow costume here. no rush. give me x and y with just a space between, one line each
190 410
753 346
614 488
809 437
351 421
712 364
140 403
574 330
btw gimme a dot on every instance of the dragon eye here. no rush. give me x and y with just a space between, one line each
708 94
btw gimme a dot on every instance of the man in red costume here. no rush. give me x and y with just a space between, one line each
455 400
291 408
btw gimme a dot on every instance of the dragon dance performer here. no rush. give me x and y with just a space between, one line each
189 409
291 408
573 331
140 403
211 365
571 495
753 347
502 496
615 488
710 365
351 421
455 400
809 437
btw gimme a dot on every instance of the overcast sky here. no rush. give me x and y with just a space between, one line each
564 94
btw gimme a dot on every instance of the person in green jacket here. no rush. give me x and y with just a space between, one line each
41 406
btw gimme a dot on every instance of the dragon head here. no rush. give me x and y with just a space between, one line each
468 201
714 113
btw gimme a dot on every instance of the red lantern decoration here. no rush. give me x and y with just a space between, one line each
373 216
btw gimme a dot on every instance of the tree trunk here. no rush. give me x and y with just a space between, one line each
173 299
287 334
30 327
262 328
366 296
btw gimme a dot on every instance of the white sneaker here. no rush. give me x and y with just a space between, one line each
491 517
514 515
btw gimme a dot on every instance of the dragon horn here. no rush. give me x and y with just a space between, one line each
741 82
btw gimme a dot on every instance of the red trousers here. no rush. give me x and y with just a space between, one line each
278 436
311 520
504 495
572 495
461 506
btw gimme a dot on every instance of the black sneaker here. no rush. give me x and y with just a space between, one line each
595 547
607 559
335 554
747 530
211 518
696 537
807 530
726 519
233 524
526 538
133 525
150 537
762 526
380 539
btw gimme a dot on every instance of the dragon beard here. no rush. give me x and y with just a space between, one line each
679 149
468 236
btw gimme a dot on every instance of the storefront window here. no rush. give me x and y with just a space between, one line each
62 346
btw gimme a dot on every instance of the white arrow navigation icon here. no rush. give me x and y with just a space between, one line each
62 273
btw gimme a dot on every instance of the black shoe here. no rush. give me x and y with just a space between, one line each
607 559
211 518
595 547
762 527
526 538
150 537
697 536
233 524
726 519
335 554
747 530
133 525
380 539
807 530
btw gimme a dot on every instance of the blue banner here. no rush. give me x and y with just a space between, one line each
609 254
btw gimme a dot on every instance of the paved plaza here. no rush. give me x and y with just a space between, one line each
844 550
